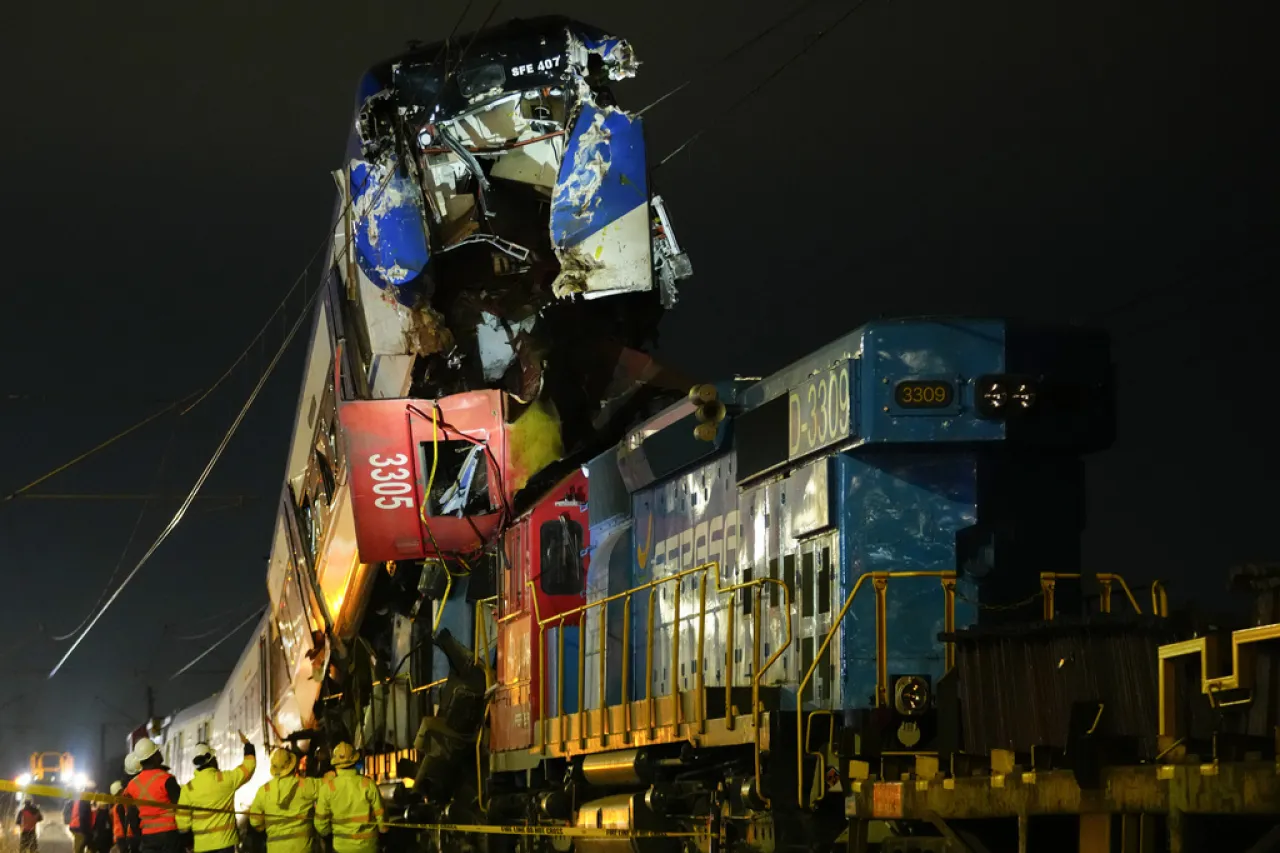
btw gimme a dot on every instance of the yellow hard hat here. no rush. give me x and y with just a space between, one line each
344 755
282 762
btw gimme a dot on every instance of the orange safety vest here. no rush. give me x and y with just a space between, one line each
29 820
119 826
76 807
150 785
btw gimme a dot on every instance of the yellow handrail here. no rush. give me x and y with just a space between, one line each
880 580
651 587
1105 580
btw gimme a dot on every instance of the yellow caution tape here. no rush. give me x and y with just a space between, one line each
475 828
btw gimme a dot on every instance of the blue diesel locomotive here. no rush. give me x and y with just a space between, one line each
771 575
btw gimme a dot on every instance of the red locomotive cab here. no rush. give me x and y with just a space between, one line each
428 477
544 577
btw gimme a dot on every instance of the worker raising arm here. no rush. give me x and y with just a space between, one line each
211 792
349 806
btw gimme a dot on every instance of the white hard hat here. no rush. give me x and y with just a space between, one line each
131 765
144 749
203 753
116 788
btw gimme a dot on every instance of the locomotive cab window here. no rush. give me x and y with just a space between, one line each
460 486
560 563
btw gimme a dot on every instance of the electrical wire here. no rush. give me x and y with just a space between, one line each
133 533
755 90
255 615
217 454
765 33
64 466
222 619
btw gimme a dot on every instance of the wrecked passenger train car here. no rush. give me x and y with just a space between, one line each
497 266
498 194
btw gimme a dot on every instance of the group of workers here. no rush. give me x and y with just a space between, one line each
291 809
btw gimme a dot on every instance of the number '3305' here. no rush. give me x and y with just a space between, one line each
391 481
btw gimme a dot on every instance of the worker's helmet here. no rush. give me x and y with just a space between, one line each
203 754
283 762
344 755
132 767
116 788
145 749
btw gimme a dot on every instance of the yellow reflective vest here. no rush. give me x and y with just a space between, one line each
350 807
283 808
215 790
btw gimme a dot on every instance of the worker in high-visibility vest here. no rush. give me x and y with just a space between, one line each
157 826
349 806
119 821
129 814
212 792
28 819
79 818
283 806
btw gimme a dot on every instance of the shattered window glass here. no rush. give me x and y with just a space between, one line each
460 485
561 563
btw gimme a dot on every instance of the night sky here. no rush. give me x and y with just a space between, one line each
167 179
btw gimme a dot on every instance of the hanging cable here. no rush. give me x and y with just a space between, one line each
217 454
110 441
137 523
755 90
706 69
255 615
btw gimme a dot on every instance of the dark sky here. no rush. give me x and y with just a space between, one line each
168 177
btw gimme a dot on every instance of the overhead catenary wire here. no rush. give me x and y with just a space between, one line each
217 454
755 90
221 619
254 615
110 441
270 368
732 54
133 533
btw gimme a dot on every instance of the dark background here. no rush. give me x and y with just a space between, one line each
166 178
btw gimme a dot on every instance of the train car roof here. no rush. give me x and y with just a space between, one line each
203 708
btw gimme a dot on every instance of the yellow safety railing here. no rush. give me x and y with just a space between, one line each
756 586
1048 582
1213 681
880 581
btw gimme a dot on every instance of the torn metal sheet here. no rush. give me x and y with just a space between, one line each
391 238
498 197
497 342
600 222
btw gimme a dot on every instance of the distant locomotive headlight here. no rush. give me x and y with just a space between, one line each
911 695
